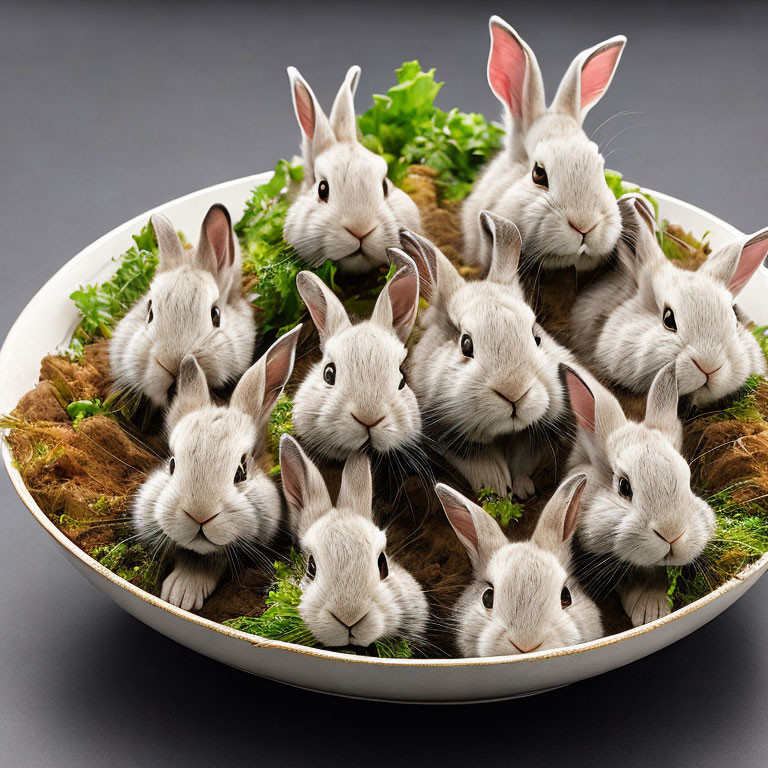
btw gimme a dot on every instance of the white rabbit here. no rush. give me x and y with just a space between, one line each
353 593
194 306
523 597
485 374
347 209
211 504
639 514
357 395
549 177
650 312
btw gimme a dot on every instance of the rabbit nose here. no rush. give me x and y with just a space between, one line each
355 233
366 424
525 650
349 621
583 231
202 516
670 539
706 373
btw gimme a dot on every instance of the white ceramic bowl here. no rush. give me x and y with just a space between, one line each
47 323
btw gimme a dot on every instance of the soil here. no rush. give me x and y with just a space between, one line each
83 477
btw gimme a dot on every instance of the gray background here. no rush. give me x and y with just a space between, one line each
108 111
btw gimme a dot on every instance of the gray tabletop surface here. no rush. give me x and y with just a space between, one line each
109 109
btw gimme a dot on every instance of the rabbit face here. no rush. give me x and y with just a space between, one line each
527 612
351 211
211 496
497 368
347 210
644 511
194 306
566 213
346 596
357 396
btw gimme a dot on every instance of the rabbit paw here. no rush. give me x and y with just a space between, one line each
644 604
523 487
492 473
187 588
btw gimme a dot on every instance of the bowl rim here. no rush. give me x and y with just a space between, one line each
751 571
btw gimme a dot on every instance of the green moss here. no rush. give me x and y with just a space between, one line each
102 306
280 423
129 562
746 407
741 538
406 128
502 509
761 334
281 619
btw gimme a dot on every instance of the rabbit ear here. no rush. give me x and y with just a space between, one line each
476 529
588 78
514 74
343 120
558 518
216 248
191 392
314 125
597 416
735 264
327 311
356 492
261 385
438 278
661 406
170 249
303 485
506 244
399 300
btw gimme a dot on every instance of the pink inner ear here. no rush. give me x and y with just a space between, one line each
582 401
292 471
572 512
596 74
506 69
279 367
403 296
217 230
305 109
752 256
461 520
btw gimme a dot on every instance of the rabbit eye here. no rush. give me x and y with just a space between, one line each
488 598
539 176
385 187
625 488
329 374
311 567
322 190
668 318
150 313
215 316
241 473
467 347
565 598
383 566
401 385
536 338
171 466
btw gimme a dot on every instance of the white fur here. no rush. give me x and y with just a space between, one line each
347 602
145 355
618 325
527 579
358 221
368 358
202 512
636 532
552 137
465 402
